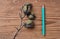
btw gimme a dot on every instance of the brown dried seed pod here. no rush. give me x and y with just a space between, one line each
27 8
29 24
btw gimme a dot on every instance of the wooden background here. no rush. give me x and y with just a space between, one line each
9 19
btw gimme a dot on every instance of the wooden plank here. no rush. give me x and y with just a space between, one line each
9 19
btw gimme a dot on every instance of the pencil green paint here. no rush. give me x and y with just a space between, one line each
43 20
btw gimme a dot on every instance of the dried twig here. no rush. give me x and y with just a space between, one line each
21 26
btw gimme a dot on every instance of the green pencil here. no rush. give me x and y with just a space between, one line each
43 21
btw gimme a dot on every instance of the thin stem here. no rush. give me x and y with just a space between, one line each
21 25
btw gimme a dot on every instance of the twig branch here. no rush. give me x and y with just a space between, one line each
21 25
17 32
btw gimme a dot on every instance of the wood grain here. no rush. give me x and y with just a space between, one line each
9 19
